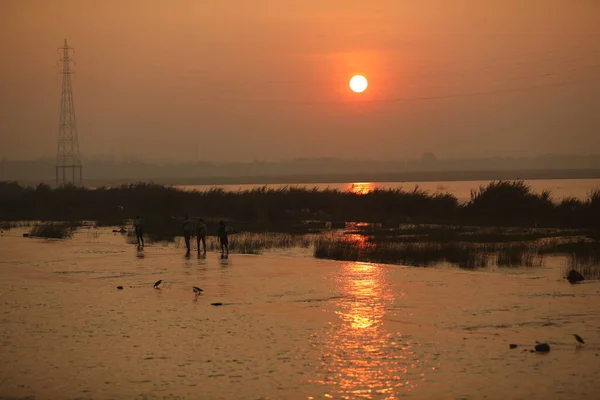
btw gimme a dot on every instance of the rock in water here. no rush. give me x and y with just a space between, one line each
574 277
542 348
216 304
512 346
120 287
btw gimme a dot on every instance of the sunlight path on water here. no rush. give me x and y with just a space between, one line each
360 355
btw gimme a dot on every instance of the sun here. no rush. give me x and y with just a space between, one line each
358 83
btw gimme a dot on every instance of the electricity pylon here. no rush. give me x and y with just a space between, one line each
67 157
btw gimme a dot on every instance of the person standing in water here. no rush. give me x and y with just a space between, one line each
201 235
222 237
138 226
188 229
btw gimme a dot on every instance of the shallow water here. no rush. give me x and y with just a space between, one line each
290 327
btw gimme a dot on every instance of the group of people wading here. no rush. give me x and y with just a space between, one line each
191 228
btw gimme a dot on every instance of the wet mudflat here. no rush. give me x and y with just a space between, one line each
289 326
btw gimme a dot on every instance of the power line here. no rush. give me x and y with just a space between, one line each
423 98
343 81
486 92
511 61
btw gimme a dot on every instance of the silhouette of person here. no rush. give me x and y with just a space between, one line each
222 237
138 226
188 229
201 235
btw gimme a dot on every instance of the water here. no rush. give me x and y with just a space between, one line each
291 327
560 188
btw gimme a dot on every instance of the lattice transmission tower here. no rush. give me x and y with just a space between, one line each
67 157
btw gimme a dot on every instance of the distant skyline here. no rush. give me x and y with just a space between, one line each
242 80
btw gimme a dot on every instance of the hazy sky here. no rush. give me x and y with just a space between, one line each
268 79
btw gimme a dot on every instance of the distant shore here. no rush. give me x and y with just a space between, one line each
308 179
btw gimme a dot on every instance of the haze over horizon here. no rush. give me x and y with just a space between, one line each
241 80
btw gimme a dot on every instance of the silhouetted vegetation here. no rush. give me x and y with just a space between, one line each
415 254
53 230
253 243
503 224
6 226
588 271
518 255
503 204
475 234
583 253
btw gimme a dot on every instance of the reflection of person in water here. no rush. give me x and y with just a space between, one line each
201 235
138 226
188 229
222 237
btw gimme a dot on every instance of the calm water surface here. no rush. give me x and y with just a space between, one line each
560 188
290 327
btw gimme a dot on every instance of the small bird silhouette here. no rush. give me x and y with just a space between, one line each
158 282
120 287
197 290
578 338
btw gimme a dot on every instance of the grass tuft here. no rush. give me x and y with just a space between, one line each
53 230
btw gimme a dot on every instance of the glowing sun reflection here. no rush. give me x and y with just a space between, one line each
361 357
361 187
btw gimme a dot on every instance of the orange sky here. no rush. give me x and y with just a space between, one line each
268 79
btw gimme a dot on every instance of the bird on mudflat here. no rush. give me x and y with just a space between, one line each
157 283
197 290
578 338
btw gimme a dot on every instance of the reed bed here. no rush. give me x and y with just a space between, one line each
8 225
518 255
415 254
476 234
583 255
469 255
588 271
256 243
502 203
251 243
52 230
